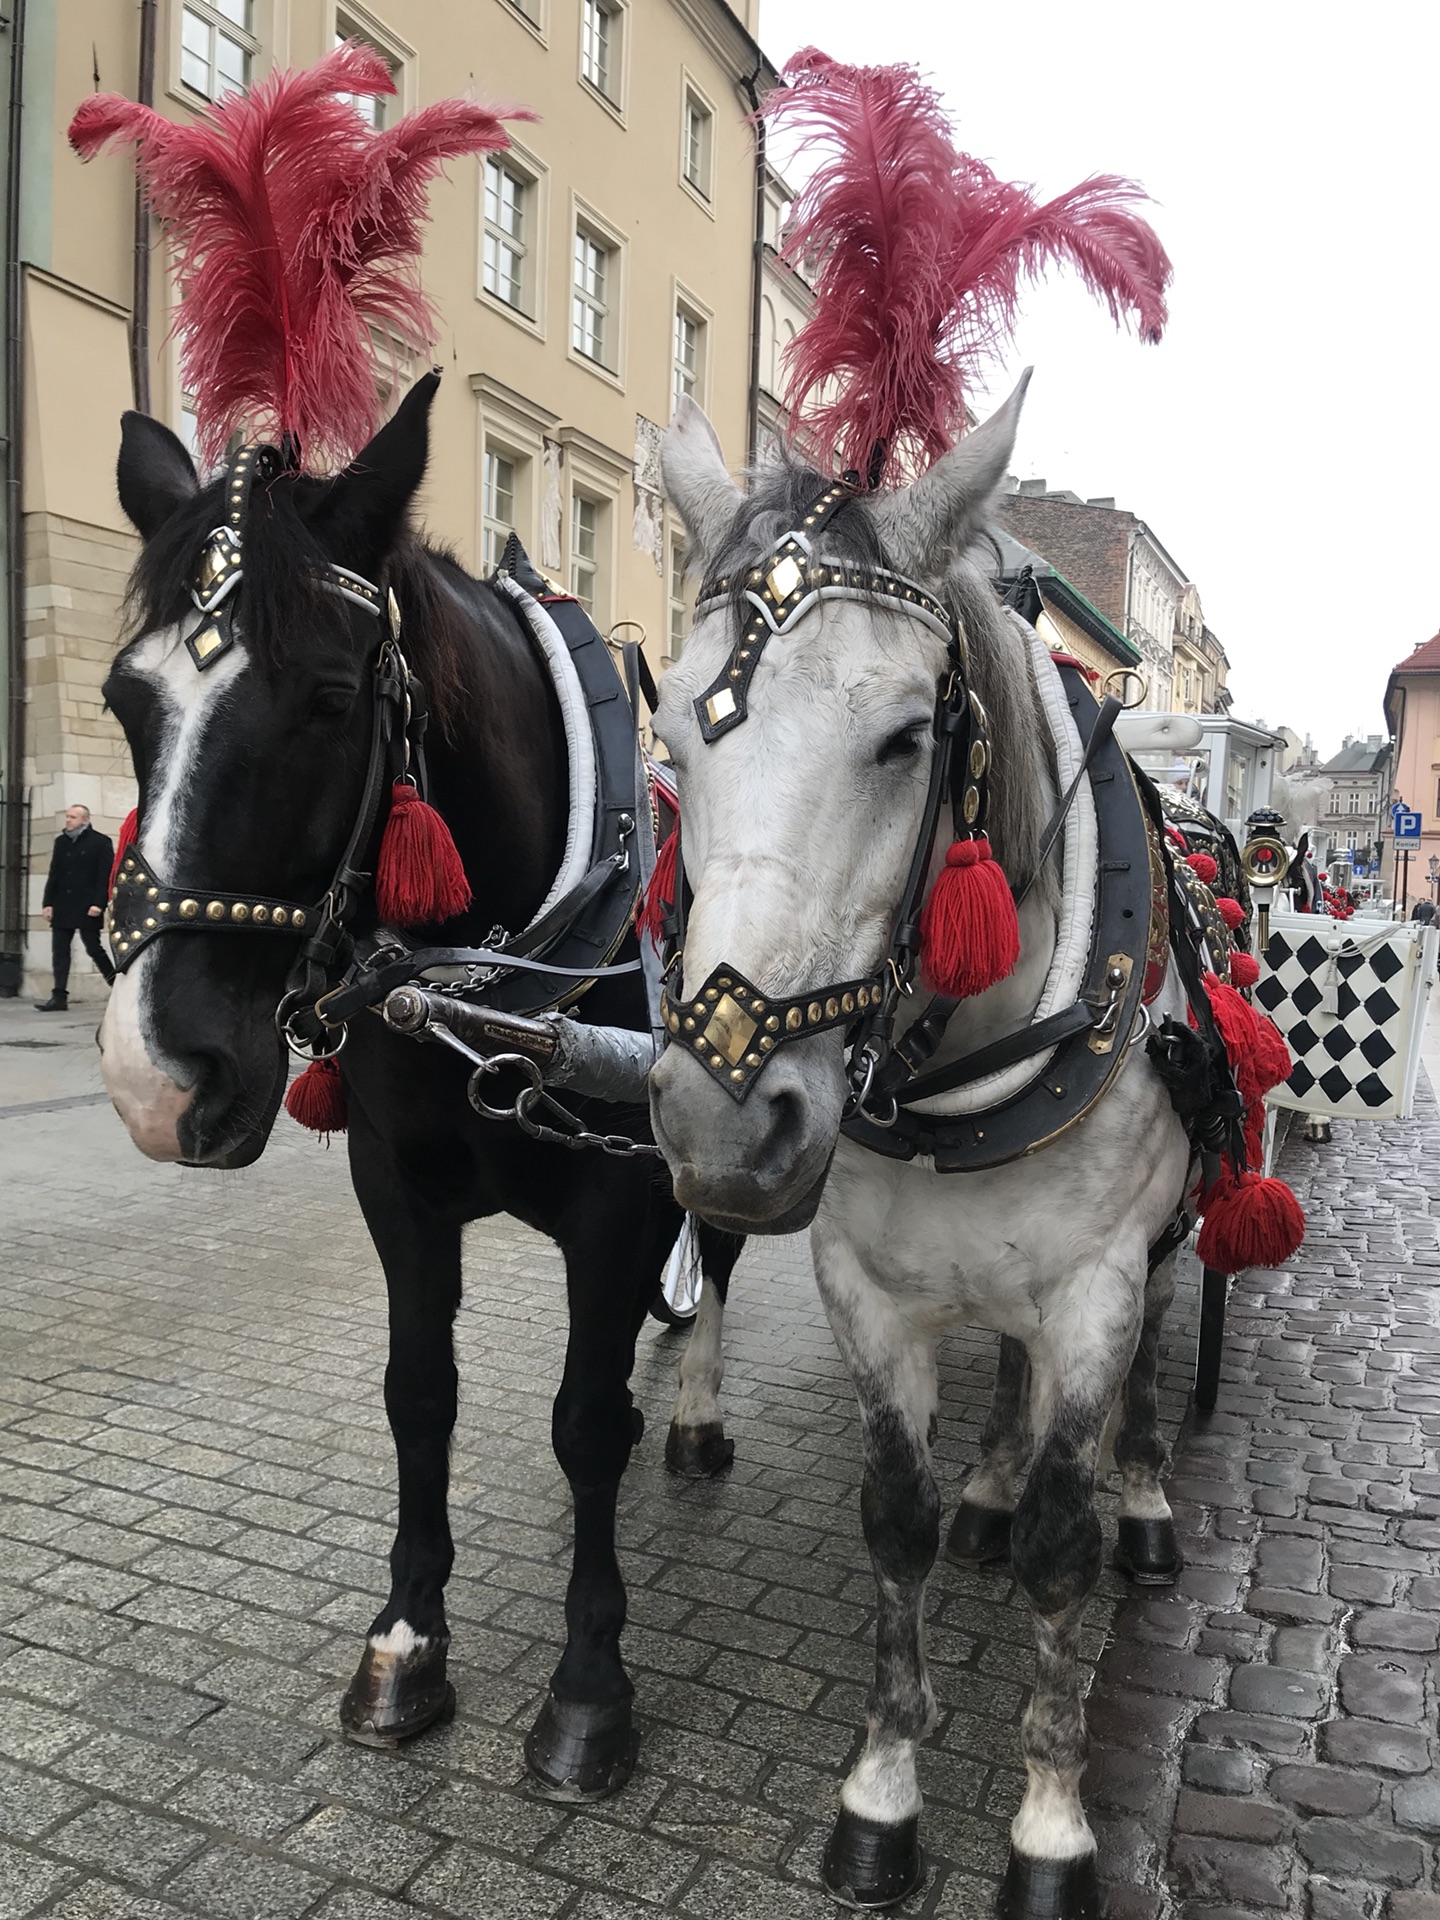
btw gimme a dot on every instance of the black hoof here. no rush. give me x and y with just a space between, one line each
1049 1889
868 1865
579 1751
978 1535
394 1696
1148 1552
698 1453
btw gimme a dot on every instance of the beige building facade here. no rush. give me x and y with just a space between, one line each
583 280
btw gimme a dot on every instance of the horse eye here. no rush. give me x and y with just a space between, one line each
330 702
904 745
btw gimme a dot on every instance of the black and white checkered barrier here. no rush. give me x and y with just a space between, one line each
1350 998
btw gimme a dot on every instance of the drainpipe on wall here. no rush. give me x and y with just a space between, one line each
140 295
14 844
757 273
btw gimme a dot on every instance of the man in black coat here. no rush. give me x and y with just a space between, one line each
75 894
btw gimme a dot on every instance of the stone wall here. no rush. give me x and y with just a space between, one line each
75 576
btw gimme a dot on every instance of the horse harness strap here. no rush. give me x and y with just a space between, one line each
1089 1037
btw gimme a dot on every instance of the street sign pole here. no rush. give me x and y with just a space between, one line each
1404 879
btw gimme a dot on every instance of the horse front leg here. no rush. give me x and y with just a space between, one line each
696 1446
1076 1373
873 1856
583 1744
1146 1549
400 1687
980 1531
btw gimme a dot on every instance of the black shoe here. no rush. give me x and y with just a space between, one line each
57 1003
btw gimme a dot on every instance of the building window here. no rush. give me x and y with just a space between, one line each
600 46
1353 799
591 333
505 272
497 507
585 519
375 109
216 46
697 133
679 598
687 352
528 10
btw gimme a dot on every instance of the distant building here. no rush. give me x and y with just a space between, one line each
1412 708
785 303
1069 624
1115 561
1352 812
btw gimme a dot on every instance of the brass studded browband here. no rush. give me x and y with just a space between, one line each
782 590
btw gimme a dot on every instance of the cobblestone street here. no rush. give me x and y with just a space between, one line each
195 1505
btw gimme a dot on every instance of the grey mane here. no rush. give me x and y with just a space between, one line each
779 495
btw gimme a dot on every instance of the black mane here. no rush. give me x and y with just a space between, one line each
283 595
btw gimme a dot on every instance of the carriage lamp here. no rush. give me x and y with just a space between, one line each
1264 860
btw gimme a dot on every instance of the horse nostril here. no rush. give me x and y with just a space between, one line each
787 1127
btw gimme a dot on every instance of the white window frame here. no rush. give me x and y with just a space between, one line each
598 229
701 191
515 427
593 563
683 602
612 95
596 472
350 21
523 165
682 300
247 39
532 15
495 529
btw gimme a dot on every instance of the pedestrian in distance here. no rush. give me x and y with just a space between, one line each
76 889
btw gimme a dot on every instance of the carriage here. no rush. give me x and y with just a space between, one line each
398 817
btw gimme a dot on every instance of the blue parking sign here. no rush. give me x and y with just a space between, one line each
1407 827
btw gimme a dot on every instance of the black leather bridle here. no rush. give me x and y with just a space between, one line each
146 904
733 1028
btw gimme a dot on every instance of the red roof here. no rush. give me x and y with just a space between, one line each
1424 659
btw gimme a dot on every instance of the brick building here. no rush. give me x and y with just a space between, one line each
1116 561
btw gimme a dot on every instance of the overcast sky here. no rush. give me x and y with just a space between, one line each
1283 441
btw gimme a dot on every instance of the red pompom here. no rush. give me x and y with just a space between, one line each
1230 911
317 1098
1244 969
1273 1065
419 878
1204 867
969 933
1249 1222
129 828
659 896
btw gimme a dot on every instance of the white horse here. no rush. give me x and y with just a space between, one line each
798 828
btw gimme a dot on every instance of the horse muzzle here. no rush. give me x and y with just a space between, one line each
757 1166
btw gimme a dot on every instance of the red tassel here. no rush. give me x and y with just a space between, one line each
659 896
969 934
1230 911
316 1099
124 839
1244 969
1204 867
1250 1222
419 879
1273 1065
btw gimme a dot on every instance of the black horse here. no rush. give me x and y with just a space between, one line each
251 773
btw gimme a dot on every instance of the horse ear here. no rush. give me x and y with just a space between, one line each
357 515
941 513
696 477
154 474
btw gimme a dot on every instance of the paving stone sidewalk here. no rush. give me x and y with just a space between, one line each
1265 1735
195 1507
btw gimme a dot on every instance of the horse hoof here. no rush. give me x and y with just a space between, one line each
1147 1552
978 1535
578 1750
698 1453
1049 1889
394 1696
868 1864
